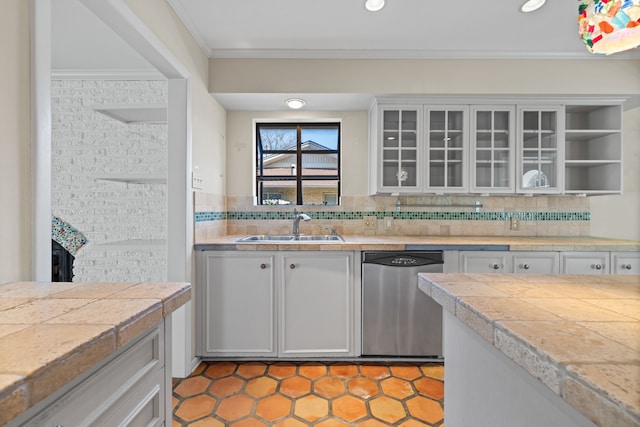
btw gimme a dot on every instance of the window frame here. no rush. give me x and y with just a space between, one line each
298 178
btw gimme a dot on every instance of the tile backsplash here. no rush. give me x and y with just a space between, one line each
417 215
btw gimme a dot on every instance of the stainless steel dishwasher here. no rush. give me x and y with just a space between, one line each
398 319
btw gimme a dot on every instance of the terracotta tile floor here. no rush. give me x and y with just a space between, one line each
299 394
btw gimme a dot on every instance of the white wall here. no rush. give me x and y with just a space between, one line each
87 145
15 161
619 216
240 151
440 77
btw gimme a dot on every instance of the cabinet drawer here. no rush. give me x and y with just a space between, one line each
484 262
625 263
536 262
103 392
584 263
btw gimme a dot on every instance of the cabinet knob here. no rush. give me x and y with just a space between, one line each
626 266
292 266
263 266
495 266
597 266
524 266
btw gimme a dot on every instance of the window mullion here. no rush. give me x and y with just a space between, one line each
299 165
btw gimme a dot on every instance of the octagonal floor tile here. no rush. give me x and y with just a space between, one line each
282 370
363 387
375 372
235 407
195 407
311 408
387 409
273 407
251 369
425 409
343 370
221 369
329 387
349 408
302 394
312 370
295 386
397 387
261 386
430 387
226 386
407 372
192 386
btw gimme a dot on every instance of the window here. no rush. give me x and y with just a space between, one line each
298 163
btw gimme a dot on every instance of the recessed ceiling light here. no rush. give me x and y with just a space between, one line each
295 103
374 5
531 5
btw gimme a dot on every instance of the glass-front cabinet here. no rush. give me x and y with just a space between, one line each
492 149
446 141
401 150
540 149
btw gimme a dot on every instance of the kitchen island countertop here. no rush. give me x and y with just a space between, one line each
52 332
381 242
578 335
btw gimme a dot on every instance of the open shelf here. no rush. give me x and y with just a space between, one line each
133 245
130 113
146 179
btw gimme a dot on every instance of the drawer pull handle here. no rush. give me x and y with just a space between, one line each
292 266
626 266
495 266
263 266
597 266
524 266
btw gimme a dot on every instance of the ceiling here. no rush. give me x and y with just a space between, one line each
330 29
402 29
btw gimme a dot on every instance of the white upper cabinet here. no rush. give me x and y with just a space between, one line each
400 149
593 149
496 146
539 149
492 149
446 141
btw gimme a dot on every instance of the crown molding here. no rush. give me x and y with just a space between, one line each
182 14
107 74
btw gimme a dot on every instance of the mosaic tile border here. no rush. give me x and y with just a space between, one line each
358 215
66 235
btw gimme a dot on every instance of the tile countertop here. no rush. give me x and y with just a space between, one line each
578 335
356 243
52 332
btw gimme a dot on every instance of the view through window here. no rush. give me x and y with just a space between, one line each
298 163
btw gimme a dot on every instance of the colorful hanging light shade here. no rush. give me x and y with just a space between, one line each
609 26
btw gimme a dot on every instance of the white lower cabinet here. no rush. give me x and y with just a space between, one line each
584 262
625 263
129 390
316 304
277 304
237 302
508 262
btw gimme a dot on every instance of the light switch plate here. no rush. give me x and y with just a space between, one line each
388 223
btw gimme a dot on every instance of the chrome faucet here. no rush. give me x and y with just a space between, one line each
297 216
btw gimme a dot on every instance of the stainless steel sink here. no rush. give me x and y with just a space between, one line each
257 238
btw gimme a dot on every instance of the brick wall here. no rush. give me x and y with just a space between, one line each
87 145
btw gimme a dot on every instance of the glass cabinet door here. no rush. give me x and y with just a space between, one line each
492 149
539 154
400 149
446 144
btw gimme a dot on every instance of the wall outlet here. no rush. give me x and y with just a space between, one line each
515 223
369 222
388 223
